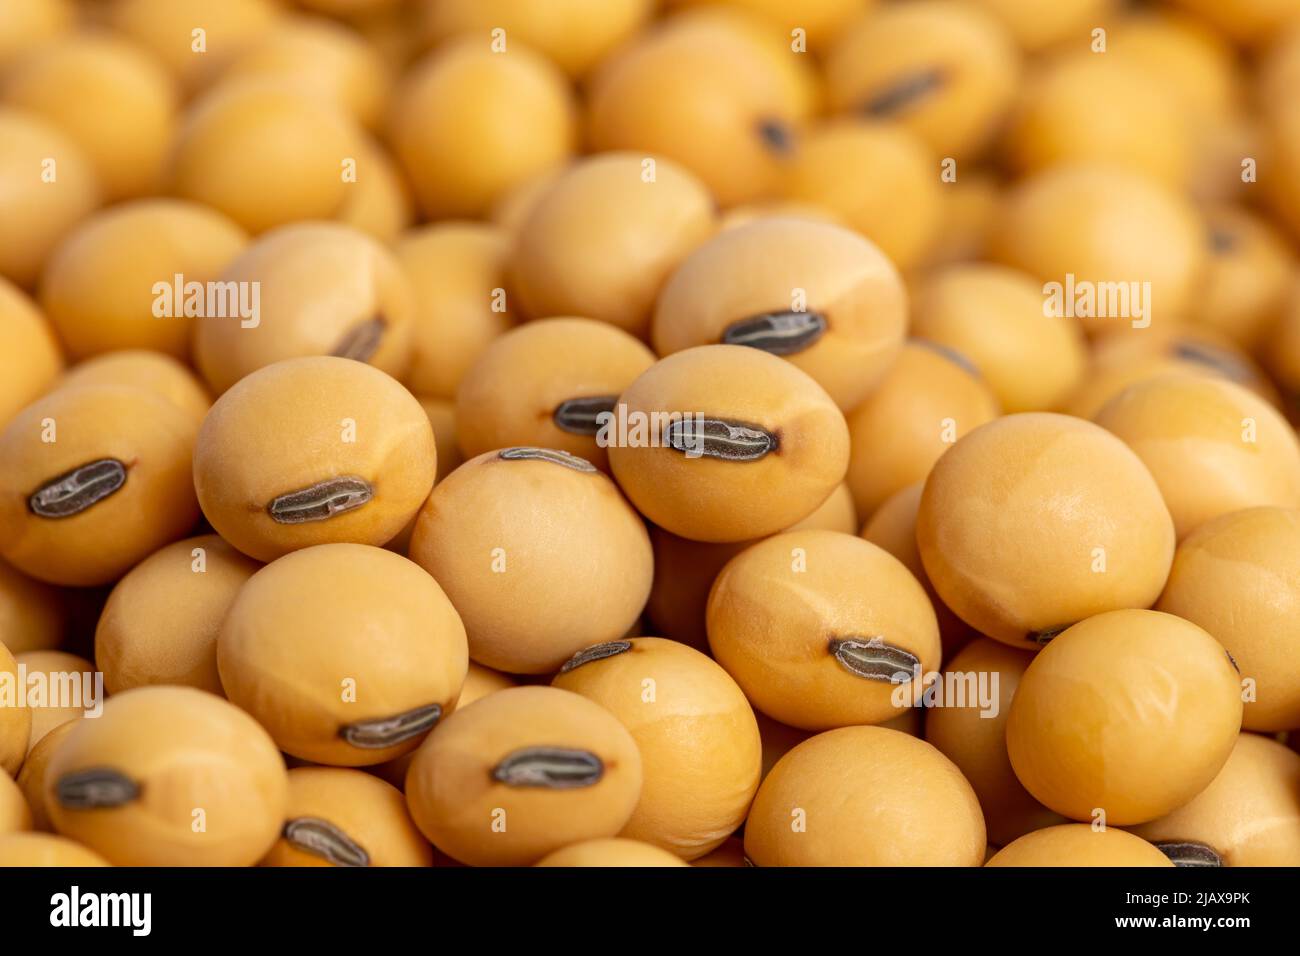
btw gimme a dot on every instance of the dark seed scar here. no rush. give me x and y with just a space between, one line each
597 652
718 438
871 658
780 333
322 838
905 92
580 415
321 501
381 732
553 455
362 340
1189 853
556 768
79 489
99 788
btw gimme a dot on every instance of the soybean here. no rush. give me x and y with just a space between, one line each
456 272
1249 815
658 91
351 703
540 554
42 849
822 629
15 717
161 621
264 154
931 397
816 294
36 215
522 773
31 778
1092 532
313 451
1163 698
974 738
1238 577
1212 446
95 478
132 784
340 817
30 356
603 237
552 384
734 443
469 123
856 809
1074 844
321 289
699 744
101 286
619 851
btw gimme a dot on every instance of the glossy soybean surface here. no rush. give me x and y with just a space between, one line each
1161 699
